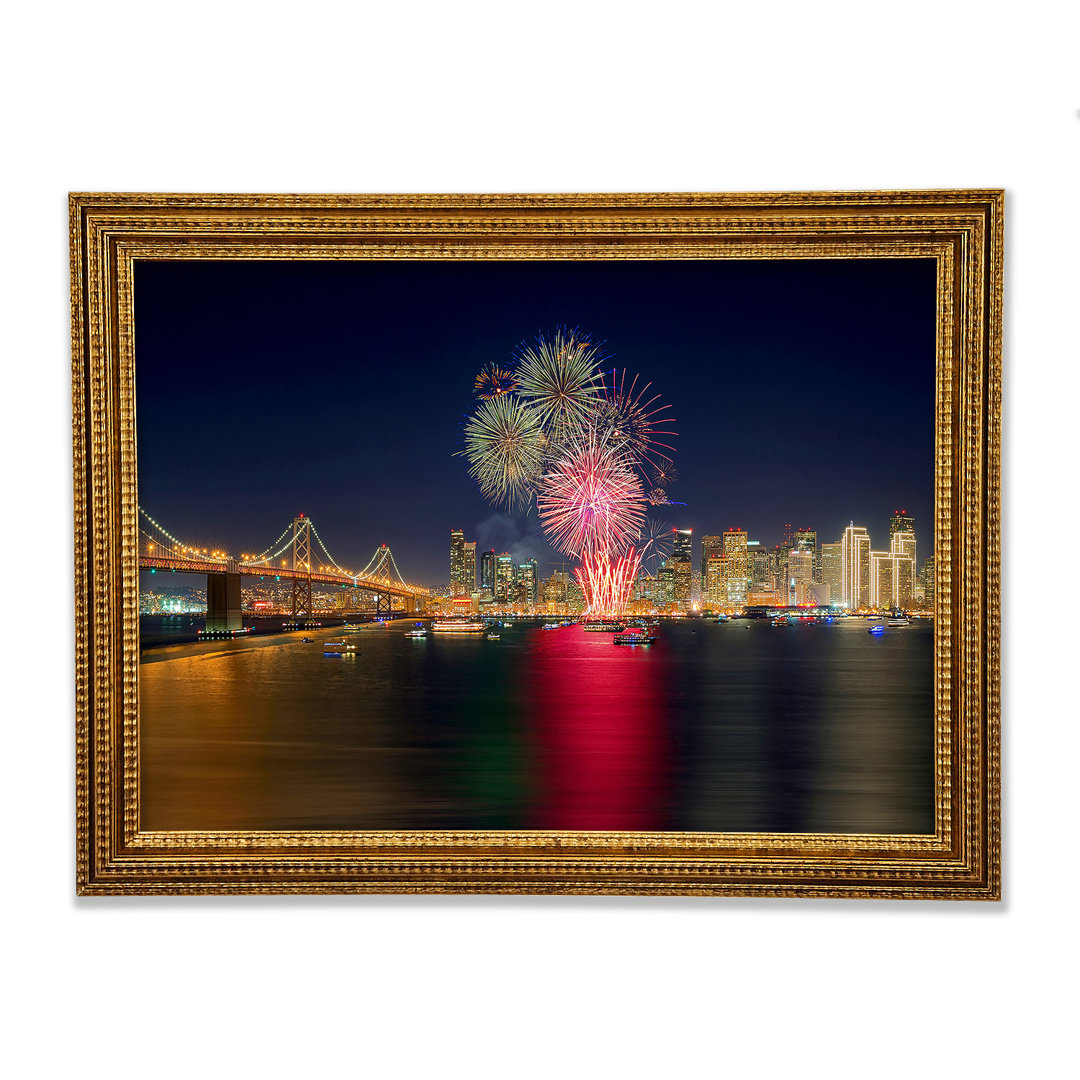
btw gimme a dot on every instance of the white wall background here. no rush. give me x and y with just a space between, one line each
543 97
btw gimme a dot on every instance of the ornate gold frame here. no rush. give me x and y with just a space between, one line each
961 230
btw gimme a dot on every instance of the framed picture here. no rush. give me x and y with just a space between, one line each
635 543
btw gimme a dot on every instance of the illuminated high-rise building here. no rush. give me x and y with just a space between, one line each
736 568
927 580
901 521
832 573
665 582
855 567
504 577
757 561
892 572
528 576
806 540
681 564
457 563
712 593
470 567
800 575
487 571
710 545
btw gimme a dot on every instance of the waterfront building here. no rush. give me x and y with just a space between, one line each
892 573
487 571
800 575
470 567
807 540
736 582
926 580
757 557
713 592
457 563
528 578
681 563
710 545
855 567
666 578
832 571
504 577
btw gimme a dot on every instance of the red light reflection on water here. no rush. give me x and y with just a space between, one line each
597 723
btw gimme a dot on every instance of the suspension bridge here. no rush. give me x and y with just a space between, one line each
298 556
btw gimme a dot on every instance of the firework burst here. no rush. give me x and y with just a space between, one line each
504 445
560 377
633 420
494 381
590 500
654 544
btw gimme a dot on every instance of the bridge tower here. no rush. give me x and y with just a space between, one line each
301 556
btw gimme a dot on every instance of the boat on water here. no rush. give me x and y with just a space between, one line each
458 626
340 648
550 626
876 629
601 625
780 620
416 633
306 641
634 636
493 637
900 620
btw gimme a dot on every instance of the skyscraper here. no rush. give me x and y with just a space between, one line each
892 572
806 540
681 564
710 545
457 563
712 593
800 575
736 568
901 521
470 567
528 576
855 567
487 571
832 573
504 577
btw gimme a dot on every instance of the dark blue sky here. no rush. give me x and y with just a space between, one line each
803 392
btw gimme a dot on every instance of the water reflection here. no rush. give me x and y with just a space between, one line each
713 729
596 720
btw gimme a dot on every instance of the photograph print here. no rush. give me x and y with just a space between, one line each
641 545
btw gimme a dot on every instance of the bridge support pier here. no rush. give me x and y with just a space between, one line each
223 602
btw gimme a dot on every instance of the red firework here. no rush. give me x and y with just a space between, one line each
590 501
607 582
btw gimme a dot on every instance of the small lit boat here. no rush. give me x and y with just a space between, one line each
900 621
306 640
339 648
596 627
416 633
634 636
493 637
877 630
550 626
780 620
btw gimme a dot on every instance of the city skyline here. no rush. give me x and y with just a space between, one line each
804 386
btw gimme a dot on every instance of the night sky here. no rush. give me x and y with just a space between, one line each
803 392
